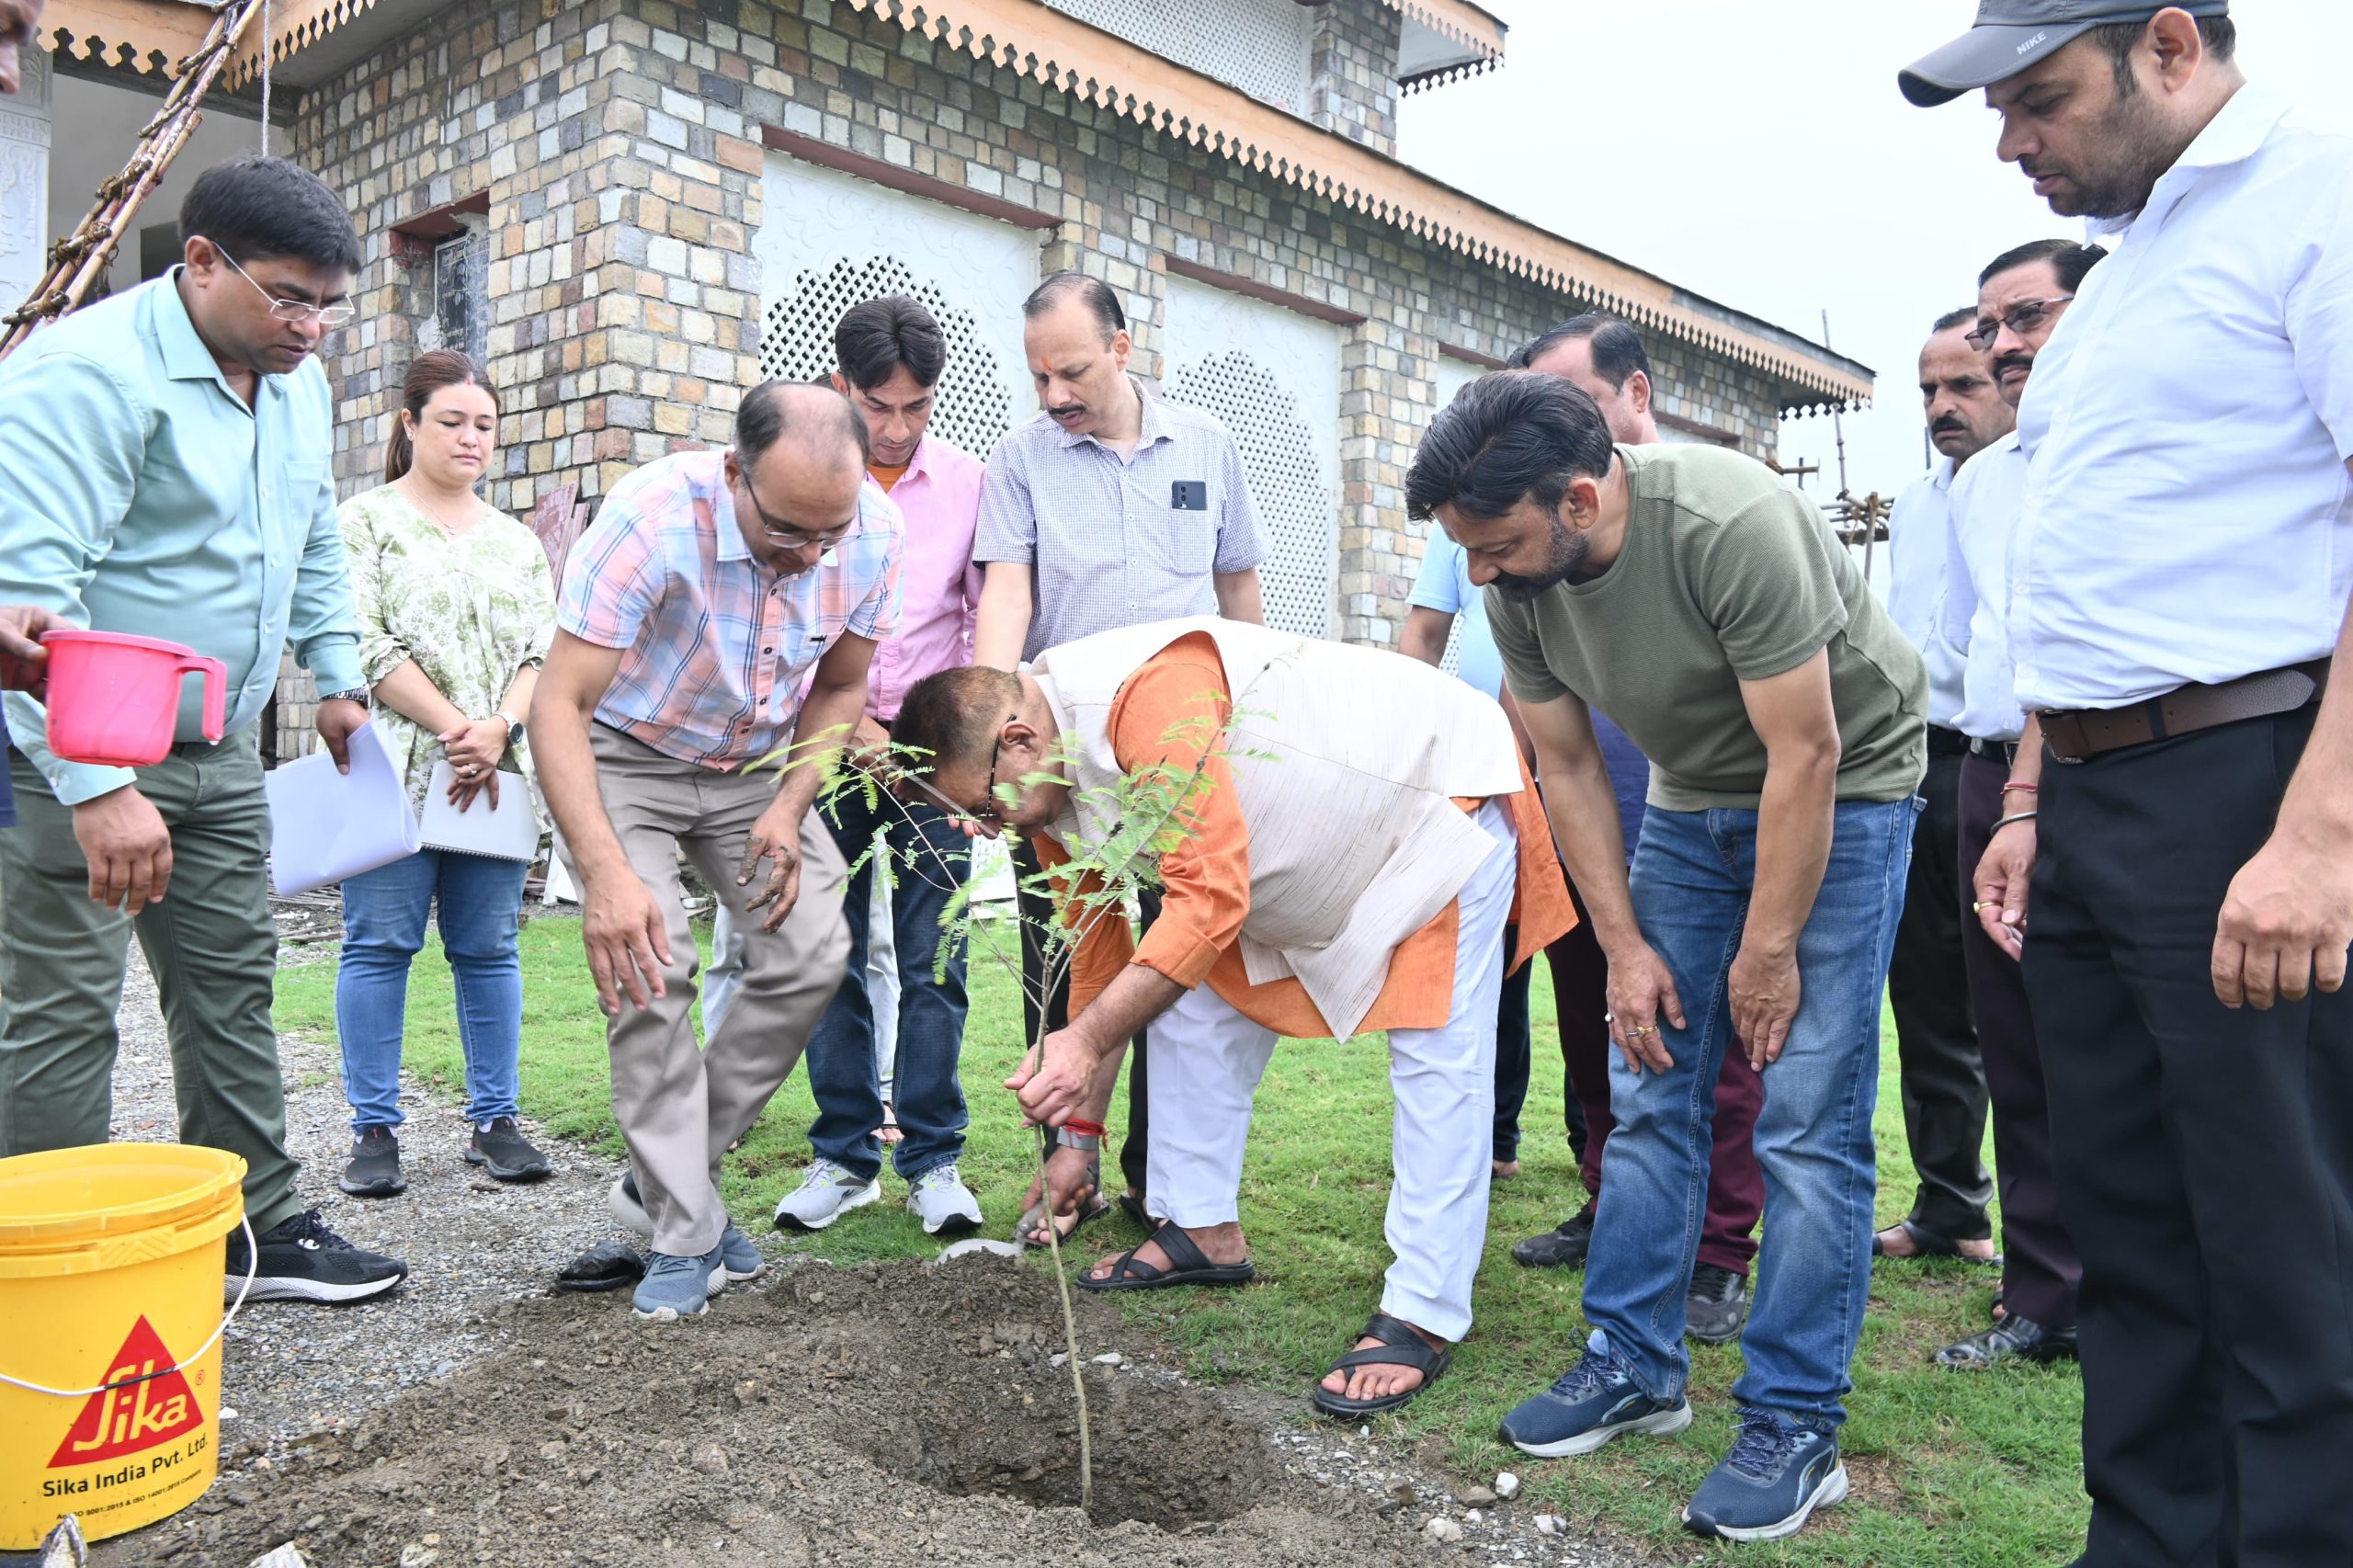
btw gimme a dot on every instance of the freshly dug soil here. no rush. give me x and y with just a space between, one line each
888 1414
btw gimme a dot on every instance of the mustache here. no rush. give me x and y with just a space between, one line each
1949 426
1060 409
2009 362
1521 588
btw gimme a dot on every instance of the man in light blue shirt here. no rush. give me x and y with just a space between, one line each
164 472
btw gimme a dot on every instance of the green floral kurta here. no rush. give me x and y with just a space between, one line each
472 610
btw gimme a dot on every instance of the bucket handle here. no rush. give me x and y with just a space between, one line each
253 1262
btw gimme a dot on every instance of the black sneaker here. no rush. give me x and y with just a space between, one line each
2012 1339
1562 1246
302 1260
499 1147
375 1167
1717 1308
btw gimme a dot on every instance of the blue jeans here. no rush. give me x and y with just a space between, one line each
926 1095
481 902
1692 877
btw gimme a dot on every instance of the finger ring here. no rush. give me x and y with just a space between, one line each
1643 1029
1978 907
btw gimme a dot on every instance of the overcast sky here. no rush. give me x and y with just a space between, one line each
1761 155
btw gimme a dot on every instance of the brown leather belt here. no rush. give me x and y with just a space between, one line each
2082 734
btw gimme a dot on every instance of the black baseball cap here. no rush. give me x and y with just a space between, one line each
2011 35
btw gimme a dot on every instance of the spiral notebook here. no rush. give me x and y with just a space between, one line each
508 831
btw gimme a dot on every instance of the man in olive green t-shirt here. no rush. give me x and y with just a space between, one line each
1710 611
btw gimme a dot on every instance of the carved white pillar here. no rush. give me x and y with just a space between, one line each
24 181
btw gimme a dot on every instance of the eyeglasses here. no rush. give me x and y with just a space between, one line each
990 814
293 310
785 534
2021 318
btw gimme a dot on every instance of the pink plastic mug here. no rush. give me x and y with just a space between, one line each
114 699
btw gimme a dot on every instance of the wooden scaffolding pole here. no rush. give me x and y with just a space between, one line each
79 260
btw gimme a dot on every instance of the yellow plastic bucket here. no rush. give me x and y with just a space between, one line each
110 1320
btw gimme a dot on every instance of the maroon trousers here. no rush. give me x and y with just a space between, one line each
2039 1269
1735 1183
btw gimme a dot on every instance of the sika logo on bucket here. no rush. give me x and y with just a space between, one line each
129 1419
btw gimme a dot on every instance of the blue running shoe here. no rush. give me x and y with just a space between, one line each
676 1286
1777 1473
738 1260
1586 1406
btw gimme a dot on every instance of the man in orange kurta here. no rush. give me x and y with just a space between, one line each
1189 980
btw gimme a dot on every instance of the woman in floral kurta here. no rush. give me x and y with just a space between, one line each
456 609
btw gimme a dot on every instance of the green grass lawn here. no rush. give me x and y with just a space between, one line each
1949 1468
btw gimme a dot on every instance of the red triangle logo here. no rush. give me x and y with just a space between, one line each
125 1417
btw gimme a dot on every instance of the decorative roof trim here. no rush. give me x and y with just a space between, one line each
1059 51
294 26
1464 23
151 36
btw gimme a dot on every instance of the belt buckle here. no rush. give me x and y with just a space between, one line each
2052 746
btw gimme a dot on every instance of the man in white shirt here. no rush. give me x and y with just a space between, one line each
2021 297
1936 1039
2178 582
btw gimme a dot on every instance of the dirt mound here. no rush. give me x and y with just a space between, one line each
888 1414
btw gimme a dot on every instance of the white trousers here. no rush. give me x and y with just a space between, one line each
1207 1059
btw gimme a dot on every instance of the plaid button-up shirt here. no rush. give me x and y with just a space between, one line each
718 646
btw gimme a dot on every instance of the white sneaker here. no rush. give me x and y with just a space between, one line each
824 1195
941 1200
628 1209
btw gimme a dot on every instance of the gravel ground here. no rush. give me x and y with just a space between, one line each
356 1429
469 1243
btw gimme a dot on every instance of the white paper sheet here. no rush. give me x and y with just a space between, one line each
325 825
509 832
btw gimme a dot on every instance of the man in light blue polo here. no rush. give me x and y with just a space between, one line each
164 472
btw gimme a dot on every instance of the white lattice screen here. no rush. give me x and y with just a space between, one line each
797 344
1453 376
1263 47
832 240
1273 378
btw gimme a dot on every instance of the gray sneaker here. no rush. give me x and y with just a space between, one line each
826 1194
941 1200
738 1260
677 1286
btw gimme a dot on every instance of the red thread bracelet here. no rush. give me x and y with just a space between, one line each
2020 789
1086 1129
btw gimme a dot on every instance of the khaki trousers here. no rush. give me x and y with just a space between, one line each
678 1107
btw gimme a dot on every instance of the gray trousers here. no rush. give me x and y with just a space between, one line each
680 1106
210 945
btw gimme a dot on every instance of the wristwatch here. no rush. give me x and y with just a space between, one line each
514 725
357 694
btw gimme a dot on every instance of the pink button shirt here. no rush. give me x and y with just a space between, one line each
940 588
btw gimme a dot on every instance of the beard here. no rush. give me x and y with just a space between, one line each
2136 147
1565 549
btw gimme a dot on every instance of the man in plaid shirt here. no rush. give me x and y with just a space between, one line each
710 588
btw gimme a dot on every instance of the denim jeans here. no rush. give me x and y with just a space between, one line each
1692 877
480 910
926 1095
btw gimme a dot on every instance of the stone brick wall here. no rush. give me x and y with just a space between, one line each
617 142
1354 69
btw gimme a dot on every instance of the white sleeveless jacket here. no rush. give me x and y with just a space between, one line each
1355 839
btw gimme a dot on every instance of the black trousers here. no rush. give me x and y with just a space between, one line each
1936 1040
2205 1165
1037 913
2039 1268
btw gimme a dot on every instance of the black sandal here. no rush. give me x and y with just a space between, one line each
608 1266
1401 1344
1132 1205
1187 1265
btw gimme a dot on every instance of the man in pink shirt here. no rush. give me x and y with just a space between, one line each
890 355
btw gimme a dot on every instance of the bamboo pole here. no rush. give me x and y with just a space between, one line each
79 260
